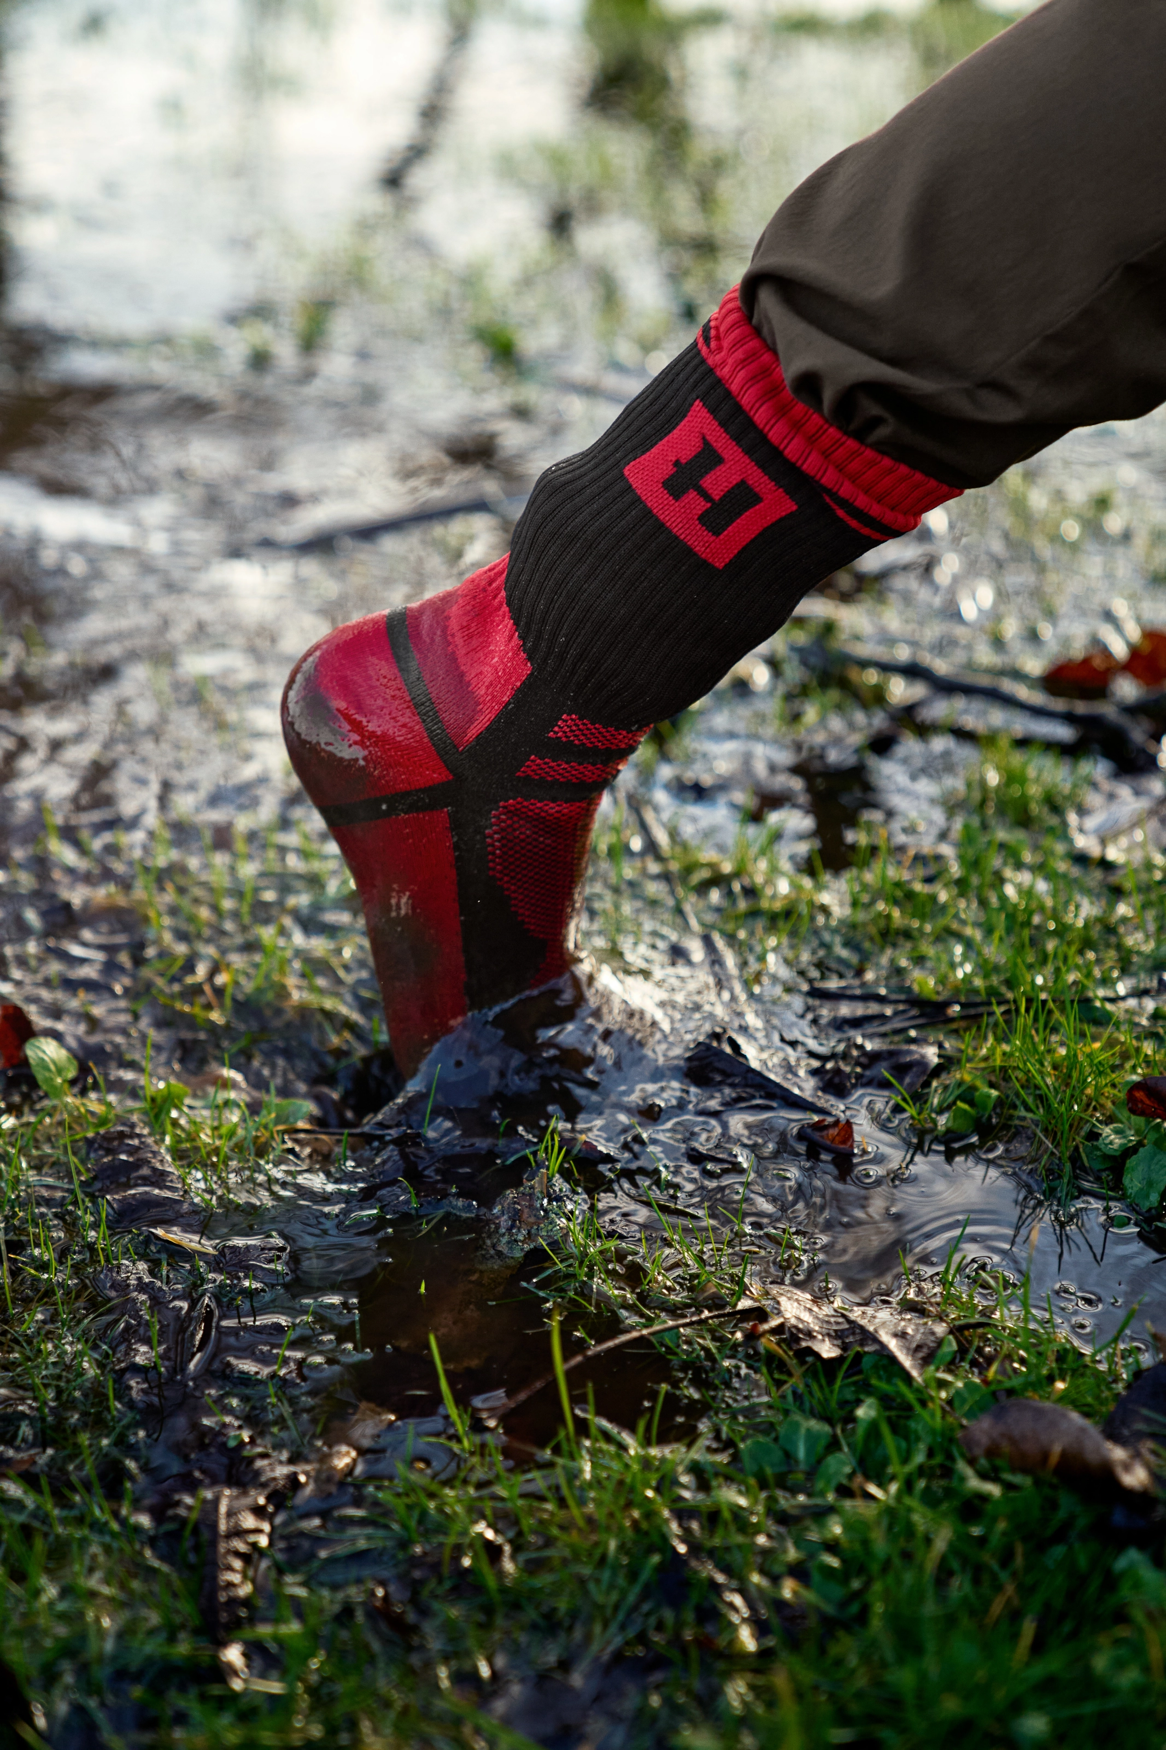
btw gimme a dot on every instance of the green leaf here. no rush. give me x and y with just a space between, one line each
762 1458
1098 1158
1145 1177
833 1470
804 1440
970 1397
962 1118
281 1113
947 1351
53 1066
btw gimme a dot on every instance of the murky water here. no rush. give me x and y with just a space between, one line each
225 339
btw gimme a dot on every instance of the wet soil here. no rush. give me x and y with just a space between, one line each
185 472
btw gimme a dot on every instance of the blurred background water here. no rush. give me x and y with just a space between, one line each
588 177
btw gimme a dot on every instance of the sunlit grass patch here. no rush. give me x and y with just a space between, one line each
233 931
1034 947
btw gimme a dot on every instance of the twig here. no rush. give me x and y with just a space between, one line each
433 110
955 683
507 508
727 1312
1109 729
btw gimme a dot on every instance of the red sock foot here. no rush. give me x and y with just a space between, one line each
461 794
458 750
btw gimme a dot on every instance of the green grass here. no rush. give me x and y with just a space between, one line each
1010 913
817 1565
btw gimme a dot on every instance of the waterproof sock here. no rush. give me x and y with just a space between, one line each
458 748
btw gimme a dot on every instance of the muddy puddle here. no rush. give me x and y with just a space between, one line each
444 1224
230 352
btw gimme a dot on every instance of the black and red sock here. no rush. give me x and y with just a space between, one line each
458 748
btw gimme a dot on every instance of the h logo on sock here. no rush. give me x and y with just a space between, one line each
705 489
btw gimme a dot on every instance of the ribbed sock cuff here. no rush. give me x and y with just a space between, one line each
887 490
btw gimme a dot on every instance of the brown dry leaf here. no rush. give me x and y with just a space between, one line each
1147 660
326 1475
1147 1098
223 1081
362 1429
14 1464
1086 678
309 1144
15 1032
833 1133
830 1331
1047 1438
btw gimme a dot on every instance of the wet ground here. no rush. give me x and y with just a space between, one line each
232 351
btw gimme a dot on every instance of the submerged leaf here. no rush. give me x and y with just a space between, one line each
833 1133
53 1066
1046 1438
1145 1177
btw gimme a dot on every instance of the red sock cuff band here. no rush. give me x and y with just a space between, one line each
889 490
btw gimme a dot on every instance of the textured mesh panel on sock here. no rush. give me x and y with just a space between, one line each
577 729
536 855
564 771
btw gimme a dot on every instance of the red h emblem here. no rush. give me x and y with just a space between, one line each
704 488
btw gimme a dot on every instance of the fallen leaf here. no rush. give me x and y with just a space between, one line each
224 1081
836 1134
710 1065
1147 660
15 1032
12 1466
1087 677
897 1068
360 1430
831 1330
1048 1439
186 1241
326 1476
311 1144
1147 1098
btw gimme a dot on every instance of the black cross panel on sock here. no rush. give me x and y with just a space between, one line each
482 777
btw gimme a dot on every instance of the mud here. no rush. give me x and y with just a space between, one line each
244 386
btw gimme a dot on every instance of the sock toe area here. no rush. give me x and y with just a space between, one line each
351 729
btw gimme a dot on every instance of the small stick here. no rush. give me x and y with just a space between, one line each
726 1312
